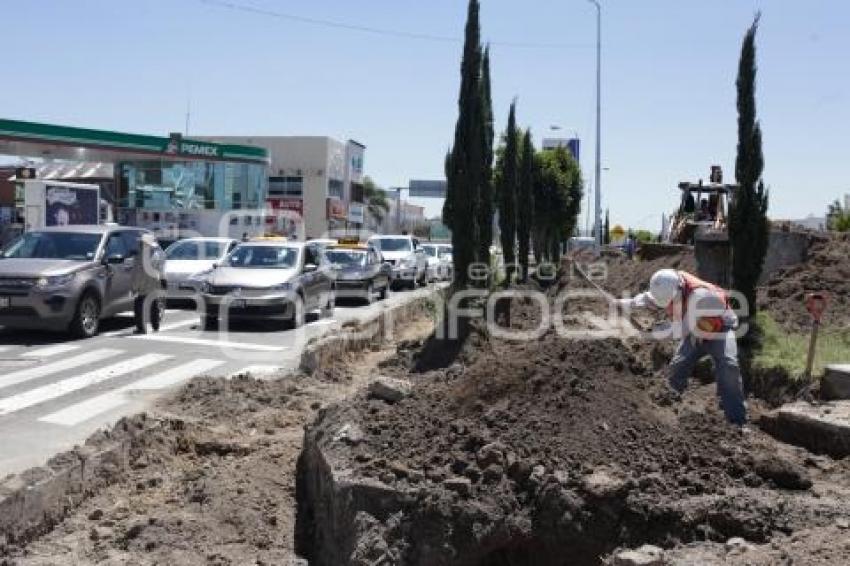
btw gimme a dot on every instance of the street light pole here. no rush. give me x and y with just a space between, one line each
597 217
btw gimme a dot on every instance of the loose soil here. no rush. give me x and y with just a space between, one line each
212 478
827 269
557 451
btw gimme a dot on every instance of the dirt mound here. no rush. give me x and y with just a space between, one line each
531 452
827 269
632 276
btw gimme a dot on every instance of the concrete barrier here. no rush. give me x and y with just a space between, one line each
823 428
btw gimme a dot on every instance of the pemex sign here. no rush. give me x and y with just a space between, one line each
178 146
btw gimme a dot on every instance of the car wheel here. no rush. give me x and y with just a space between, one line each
370 294
86 319
382 294
298 314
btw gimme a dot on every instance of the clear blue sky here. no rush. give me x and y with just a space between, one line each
668 81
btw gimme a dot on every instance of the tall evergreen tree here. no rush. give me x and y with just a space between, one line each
463 193
606 236
509 178
525 202
748 223
485 212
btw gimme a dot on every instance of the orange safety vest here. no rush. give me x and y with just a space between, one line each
690 283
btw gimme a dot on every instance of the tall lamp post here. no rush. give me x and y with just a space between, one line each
597 217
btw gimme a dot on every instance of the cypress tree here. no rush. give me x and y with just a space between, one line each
485 212
606 236
525 202
509 177
464 180
748 223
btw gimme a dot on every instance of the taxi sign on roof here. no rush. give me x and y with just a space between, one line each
348 240
269 238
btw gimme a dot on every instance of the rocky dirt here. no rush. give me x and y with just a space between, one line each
557 451
827 269
211 477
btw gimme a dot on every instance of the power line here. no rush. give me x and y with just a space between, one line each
379 31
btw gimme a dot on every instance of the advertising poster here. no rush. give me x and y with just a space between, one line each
71 205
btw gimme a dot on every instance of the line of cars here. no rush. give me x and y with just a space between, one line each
69 278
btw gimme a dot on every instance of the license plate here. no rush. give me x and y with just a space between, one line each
5 302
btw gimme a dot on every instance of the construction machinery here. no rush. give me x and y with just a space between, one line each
703 211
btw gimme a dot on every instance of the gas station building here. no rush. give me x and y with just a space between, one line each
166 184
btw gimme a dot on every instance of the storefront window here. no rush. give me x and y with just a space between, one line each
191 185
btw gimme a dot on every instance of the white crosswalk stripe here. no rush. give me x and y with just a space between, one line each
71 384
49 351
210 342
90 408
22 375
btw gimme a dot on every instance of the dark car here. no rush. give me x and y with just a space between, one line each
359 272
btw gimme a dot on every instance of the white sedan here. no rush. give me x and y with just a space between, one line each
185 258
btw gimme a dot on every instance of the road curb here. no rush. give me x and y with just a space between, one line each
373 331
34 501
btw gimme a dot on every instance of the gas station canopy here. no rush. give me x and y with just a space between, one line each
47 141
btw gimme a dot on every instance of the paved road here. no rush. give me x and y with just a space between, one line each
56 391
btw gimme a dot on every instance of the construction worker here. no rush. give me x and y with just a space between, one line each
147 284
701 313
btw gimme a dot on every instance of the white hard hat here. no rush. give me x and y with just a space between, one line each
664 286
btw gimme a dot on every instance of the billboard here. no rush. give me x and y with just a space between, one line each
427 189
71 205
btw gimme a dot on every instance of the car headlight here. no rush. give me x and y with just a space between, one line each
204 287
281 286
55 281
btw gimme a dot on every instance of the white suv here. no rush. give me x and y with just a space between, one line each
406 257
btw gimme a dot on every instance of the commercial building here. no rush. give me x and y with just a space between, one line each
168 184
317 177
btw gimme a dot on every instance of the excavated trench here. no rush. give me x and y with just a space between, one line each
545 452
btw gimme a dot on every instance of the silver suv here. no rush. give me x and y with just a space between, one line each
67 278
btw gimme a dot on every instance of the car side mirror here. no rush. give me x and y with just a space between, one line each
310 267
115 259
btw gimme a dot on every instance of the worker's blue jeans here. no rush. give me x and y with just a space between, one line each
724 352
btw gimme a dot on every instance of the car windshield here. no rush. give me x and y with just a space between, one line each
268 257
346 257
195 249
445 251
392 244
430 251
54 245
